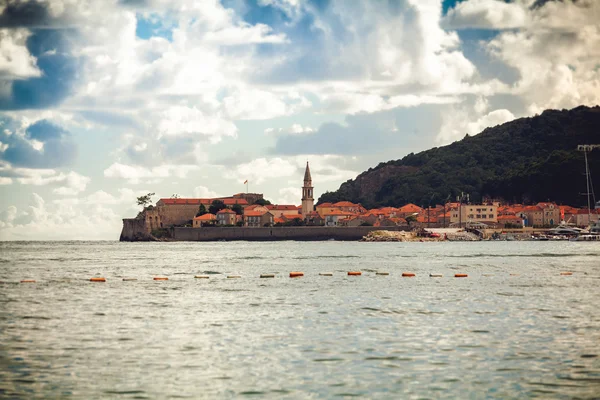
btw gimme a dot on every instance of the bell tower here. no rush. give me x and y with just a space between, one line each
308 202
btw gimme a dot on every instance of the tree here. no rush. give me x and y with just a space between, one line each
216 206
411 218
238 209
262 202
201 210
145 200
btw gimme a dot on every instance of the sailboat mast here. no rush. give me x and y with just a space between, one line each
587 182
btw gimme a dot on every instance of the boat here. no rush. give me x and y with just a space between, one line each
592 234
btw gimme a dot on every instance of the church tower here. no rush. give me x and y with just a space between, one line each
308 202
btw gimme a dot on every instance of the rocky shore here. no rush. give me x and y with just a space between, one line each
402 236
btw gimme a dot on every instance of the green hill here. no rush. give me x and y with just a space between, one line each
527 160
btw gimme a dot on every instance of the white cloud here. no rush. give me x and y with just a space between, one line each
178 120
5 181
261 169
204 192
487 14
289 195
459 122
15 60
556 54
60 222
136 174
295 129
68 184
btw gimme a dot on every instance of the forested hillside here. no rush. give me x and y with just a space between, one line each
526 161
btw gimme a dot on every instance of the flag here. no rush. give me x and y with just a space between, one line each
246 181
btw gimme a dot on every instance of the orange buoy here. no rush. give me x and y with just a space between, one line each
296 274
408 274
461 275
28 281
97 279
354 273
161 278
566 273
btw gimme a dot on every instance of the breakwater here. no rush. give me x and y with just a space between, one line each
306 233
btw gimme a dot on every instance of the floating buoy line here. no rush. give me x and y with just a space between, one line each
297 274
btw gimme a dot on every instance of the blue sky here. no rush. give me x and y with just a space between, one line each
102 101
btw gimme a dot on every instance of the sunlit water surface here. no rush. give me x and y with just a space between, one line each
514 328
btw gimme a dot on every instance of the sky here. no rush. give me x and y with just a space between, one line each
102 101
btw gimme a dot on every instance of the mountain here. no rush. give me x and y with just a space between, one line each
527 160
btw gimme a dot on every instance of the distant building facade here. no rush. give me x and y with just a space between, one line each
470 213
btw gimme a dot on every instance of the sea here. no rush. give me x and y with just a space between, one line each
514 328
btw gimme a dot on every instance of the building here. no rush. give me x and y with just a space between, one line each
473 213
510 221
407 210
182 210
258 219
280 210
206 219
336 217
349 207
226 217
308 201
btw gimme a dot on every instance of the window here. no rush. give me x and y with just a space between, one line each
492 216
483 216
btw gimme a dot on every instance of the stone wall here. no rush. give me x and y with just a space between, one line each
134 229
177 214
276 233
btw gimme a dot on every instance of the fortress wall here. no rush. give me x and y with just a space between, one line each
177 214
277 233
133 230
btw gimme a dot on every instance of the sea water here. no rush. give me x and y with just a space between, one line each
514 328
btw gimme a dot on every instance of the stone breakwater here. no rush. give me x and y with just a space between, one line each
402 236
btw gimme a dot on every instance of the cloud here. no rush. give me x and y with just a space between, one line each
42 144
324 168
204 192
462 121
486 14
295 129
15 60
65 184
365 134
136 174
43 84
289 195
261 169
58 222
180 120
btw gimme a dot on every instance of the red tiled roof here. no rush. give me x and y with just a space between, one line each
255 213
206 217
339 212
508 218
532 208
325 205
344 204
281 207
227 201
226 211
410 208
